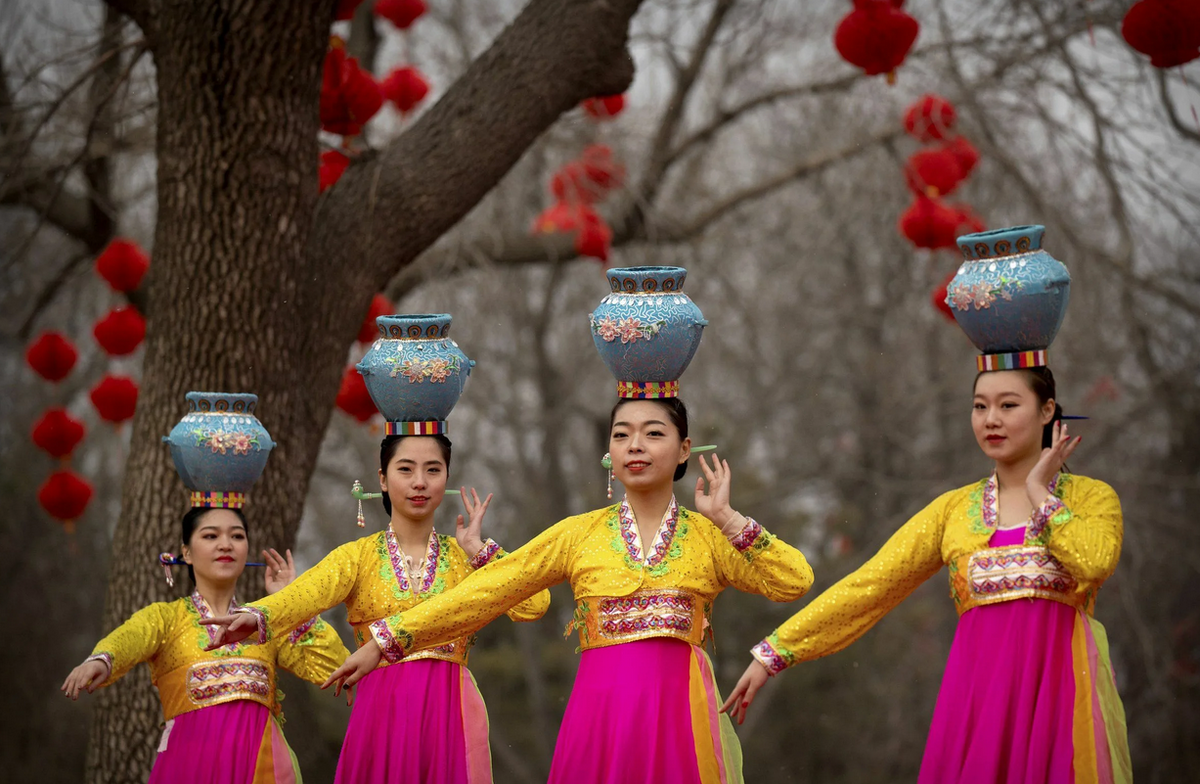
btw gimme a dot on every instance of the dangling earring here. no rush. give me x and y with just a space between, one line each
606 462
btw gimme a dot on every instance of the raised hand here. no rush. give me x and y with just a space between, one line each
85 677
469 531
743 694
713 501
280 572
1050 463
230 628
359 664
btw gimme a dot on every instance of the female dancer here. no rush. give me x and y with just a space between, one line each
224 699
645 573
1028 693
423 720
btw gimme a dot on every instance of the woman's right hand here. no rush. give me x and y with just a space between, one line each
751 681
87 676
230 628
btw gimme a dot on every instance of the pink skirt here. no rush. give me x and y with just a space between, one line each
417 722
645 712
233 743
1028 697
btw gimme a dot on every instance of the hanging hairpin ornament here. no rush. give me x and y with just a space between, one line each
220 450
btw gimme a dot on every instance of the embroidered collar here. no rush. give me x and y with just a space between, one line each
205 611
662 540
989 507
403 566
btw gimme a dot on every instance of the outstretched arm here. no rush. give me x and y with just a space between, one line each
467 607
131 643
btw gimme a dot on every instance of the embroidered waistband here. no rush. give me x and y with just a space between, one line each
1002 574
610 620
216 681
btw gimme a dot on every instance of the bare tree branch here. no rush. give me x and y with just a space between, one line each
1169 105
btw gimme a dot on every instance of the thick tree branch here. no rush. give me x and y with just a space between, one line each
552 56
144 13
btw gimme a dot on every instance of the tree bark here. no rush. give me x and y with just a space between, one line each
248 291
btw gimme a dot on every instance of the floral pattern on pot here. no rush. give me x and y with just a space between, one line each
982 294
223 441
627 329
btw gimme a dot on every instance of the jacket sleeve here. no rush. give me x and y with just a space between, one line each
1085 537
755 561
854 604
135 641
481 597
530 609
325 585
312 651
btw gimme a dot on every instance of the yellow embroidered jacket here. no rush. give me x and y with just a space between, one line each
170 637
1072 543
621 592
370 577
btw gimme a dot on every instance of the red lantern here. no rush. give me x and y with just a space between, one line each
938 297
876 36
64 496
964 152
120 332
405 87
123 264
345 10
57 433
353 397
604 107
594 238
1167 30
349 95
333 165
930 118
380 306
115 398
401 13
928 223
600 167
557 218
52 356
935 172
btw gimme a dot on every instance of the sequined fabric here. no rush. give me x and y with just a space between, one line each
593 551
375 578
169 636
1079 530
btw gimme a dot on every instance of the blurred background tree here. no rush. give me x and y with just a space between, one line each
753 155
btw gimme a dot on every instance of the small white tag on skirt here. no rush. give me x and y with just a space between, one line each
162 744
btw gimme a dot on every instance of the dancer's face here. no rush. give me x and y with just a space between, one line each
415 480
1007 417
645 447
217 551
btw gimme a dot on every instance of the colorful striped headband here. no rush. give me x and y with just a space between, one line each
1011 361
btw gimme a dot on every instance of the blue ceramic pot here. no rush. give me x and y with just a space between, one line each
414 372
1009 295
220 446
647 330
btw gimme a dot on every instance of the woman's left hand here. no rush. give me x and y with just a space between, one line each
280 572
469 532
357 666
713 502
1050 463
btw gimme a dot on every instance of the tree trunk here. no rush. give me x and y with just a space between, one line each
249 292
237 153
